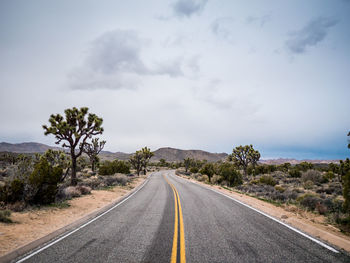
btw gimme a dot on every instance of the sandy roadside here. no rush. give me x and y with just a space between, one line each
308 222
32 225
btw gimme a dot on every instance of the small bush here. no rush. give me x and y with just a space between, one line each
216 179
122 179
308 184
43 183
321 208
229 173
71 191
309 201
268 180
5 216
18 206
12 191
279 188
109 168
295 173
84 190
203 178
312 175
194 170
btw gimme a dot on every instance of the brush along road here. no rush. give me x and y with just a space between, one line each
172 220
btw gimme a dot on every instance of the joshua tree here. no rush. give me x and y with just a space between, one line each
146 156
136 161
92 150
74 129
244 155
187 163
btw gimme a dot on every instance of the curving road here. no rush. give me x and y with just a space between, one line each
209 228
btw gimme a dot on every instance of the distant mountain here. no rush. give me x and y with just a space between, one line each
175 155
294 161
26 147
170 155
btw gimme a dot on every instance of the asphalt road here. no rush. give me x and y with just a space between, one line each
210 228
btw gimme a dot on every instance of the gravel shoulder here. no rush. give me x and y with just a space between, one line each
31 225
310 223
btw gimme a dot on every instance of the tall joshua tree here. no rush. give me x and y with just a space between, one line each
73 130
147 155
92 150
136 161
242 156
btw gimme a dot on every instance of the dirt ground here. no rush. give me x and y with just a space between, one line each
311 223
34 224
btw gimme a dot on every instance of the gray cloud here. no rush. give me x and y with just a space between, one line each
222 27
310 35
260 20
173 68
114 61
186 8
117 51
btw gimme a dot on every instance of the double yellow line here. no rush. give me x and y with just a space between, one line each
178 218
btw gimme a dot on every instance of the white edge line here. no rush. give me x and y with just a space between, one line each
272 218
82 226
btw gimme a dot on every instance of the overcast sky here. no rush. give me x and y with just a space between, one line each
188 74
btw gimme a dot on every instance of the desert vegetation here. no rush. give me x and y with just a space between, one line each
319 188
28 180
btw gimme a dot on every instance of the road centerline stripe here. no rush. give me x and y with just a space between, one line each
178 221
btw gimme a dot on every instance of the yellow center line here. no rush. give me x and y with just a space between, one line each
182 233
178 217
174 250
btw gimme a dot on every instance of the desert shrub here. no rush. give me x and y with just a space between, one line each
291 195
309 201
12 191
321 208
333 205
71 191
279 188
121 179
203 178
229 173
264 169
304 166
278 196
109 168
84 190
5 216
268 180
43 183
254 181
279 175
295 173
194 170
308 184
311 175
329 176
217 179
18 206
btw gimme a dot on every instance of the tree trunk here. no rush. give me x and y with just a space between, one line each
93 166
144 171
74 171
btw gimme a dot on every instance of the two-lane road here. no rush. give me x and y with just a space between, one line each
173 220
